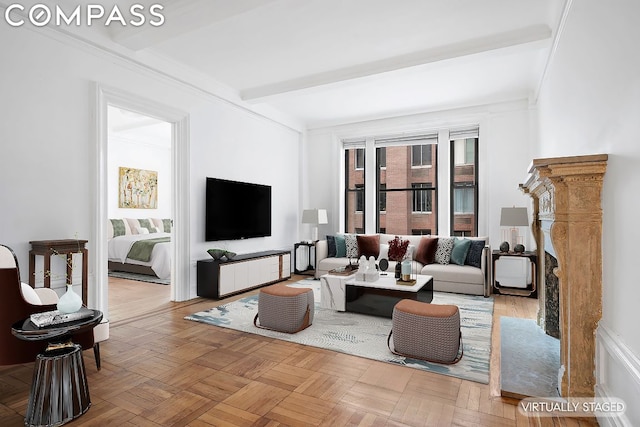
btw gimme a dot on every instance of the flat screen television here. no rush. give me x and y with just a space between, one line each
237 210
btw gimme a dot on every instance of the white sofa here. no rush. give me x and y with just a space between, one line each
464 279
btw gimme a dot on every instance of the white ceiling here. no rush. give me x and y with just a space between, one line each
336 61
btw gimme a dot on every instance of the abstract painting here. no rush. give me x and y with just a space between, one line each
138 189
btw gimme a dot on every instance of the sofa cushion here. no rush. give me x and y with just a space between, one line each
384 251
426 252
329 264
398 248
369 246
460 250
454 273
331 246
443 251
474 256
351 243
341 246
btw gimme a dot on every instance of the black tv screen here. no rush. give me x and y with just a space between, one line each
237 210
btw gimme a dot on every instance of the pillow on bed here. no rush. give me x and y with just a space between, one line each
148 224
117 227
163 225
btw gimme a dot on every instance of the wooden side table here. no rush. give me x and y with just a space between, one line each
67 247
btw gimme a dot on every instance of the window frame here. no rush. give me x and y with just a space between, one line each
463 184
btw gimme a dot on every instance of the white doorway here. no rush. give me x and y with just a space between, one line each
179 188
138 145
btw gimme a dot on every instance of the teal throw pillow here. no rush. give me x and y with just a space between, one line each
460 250
341 246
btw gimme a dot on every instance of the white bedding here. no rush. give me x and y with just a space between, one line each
160 256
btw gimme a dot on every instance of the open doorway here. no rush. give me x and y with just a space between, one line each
139 171
178 188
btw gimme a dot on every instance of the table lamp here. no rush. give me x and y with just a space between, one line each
514 218
315 217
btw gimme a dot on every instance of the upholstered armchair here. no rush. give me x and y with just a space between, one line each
18 301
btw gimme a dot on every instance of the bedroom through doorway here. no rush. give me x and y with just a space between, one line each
139 211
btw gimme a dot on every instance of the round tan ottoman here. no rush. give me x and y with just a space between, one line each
285 309
426 331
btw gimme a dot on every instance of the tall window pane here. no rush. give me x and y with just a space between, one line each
407 187
354 190
464 188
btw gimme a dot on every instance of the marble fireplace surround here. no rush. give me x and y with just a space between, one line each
567 222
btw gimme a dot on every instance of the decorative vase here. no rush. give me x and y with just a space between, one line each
398 267
406 270
70 302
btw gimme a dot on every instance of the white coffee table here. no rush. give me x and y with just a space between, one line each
345 293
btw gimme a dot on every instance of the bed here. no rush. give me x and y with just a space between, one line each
140 246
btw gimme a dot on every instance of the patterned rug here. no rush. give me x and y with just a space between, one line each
366 336
139 277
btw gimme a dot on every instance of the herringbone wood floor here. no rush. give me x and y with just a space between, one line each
161 370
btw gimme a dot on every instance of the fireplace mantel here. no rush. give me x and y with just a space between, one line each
566 193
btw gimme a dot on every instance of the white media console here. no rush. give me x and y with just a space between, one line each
221 278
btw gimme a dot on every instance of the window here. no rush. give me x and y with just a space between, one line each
405 190
463 200
359 158
402 193
382 197
359 197
382 157
422 197
464 178
354 190
421 155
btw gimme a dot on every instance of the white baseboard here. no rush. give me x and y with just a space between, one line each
613 352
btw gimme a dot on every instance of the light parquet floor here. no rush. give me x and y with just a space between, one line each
161 370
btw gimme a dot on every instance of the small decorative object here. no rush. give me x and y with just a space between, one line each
229 254
504 247
384 265
371 274
69 302
397 249
216 253
519 248
362 268
398 269
406 270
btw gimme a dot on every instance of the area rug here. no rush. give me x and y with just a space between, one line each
366 336
139 277
530 359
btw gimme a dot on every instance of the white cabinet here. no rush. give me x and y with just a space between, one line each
218 279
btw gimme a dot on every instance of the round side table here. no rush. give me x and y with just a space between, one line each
59 389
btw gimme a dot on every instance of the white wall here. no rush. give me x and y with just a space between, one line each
504 158
590 103
48 146
247 148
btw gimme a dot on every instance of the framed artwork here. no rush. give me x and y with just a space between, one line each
138 189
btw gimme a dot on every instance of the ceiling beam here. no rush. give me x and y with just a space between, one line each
524 38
